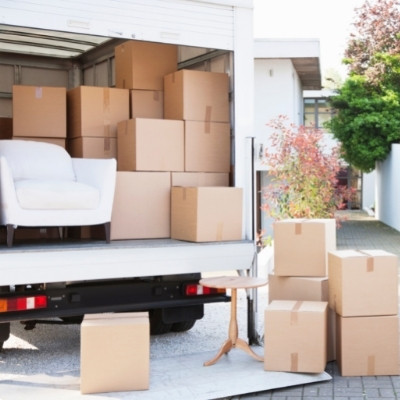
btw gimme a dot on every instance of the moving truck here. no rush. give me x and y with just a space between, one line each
73 44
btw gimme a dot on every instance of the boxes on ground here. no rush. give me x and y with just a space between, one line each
149 144
196 96
146 103
199 179
141 208
295 336
39 111
305 289
206 214
142 65
363 282
301 246
207 146
368 345
115 352
95 111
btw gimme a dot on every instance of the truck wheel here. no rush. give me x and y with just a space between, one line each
157 325
183 326
4 333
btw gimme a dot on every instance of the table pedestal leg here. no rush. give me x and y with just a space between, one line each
233 340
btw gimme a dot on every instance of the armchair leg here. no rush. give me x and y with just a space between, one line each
107 229
10 235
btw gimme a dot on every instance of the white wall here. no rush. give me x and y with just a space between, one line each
388 189
277 91
368 190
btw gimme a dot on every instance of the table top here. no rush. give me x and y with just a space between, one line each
233 282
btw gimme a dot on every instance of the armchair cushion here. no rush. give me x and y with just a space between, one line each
50 194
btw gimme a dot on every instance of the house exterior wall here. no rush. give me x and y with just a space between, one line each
388 189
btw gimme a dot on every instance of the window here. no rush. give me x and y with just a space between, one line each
316 112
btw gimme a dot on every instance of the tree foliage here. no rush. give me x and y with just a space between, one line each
303 172
368 112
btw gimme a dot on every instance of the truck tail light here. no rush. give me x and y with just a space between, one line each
23 303
194 289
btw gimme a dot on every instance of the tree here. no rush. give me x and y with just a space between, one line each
303 173
368 113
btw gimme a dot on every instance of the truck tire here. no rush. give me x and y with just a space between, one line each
4 333
157 325
183 326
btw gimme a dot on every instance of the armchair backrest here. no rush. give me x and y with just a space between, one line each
30 159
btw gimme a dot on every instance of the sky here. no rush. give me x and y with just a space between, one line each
326 20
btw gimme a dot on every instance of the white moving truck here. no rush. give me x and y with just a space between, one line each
70 43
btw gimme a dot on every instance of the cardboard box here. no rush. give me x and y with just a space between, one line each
39 111
363 282
93 147
6 127
305 289
295 336
147 104
301 246
199 179
141 208
196 96
115 352
207 146
58 141
148 144
206 214
95 111
142 65
368 346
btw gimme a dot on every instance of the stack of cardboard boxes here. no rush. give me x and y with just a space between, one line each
363 291
299 331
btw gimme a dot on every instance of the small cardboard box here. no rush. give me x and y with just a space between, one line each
94 111
199 179
295 337
196 96
93 147
141 208
149 144
363 282
305 289
146 103
368 346
115 352
206 214
207 146
301 246
142 65
39 111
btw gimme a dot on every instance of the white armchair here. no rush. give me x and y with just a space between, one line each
42 186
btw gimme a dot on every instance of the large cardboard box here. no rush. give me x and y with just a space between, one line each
305 289
94 111
58 141
301 246
39 111
207 146
115 352
93 147
363 282
199 179
141 208
295 337
196 96
148 144
368 346
146 103
206 214
142 65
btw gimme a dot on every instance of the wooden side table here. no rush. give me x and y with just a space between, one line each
233 283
